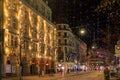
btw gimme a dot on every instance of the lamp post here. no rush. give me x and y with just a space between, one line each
83 31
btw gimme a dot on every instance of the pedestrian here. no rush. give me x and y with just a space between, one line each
107 74
38 70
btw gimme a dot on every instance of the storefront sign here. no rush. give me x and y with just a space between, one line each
8 68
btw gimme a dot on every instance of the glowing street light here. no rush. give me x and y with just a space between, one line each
93 47
82 31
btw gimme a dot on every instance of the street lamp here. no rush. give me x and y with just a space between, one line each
94 45
82 31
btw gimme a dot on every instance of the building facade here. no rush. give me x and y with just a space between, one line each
83 52
69 50
29 37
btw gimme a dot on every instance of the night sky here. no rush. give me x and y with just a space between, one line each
80 14
77 13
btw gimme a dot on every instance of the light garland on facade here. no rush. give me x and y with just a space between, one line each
30 30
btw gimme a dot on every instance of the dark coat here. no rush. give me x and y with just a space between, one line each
107 74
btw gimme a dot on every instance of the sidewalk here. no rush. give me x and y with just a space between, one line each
113 78
36 77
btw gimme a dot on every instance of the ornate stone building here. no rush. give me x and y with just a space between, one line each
83 51
30 38
71 49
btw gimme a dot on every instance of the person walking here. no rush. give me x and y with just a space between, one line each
107 74
39 70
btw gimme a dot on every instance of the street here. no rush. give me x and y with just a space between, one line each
94 75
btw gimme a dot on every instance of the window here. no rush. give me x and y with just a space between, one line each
26 44
65 34
42 48
59 49
12 40
59 41
65 42
65 49
60 54
35 49
25 14
14 7
9 4
59 34
14 23
12 43
59 27
34 32
16 41
43 9
36 7
64 26
48 51
60 57
48 15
